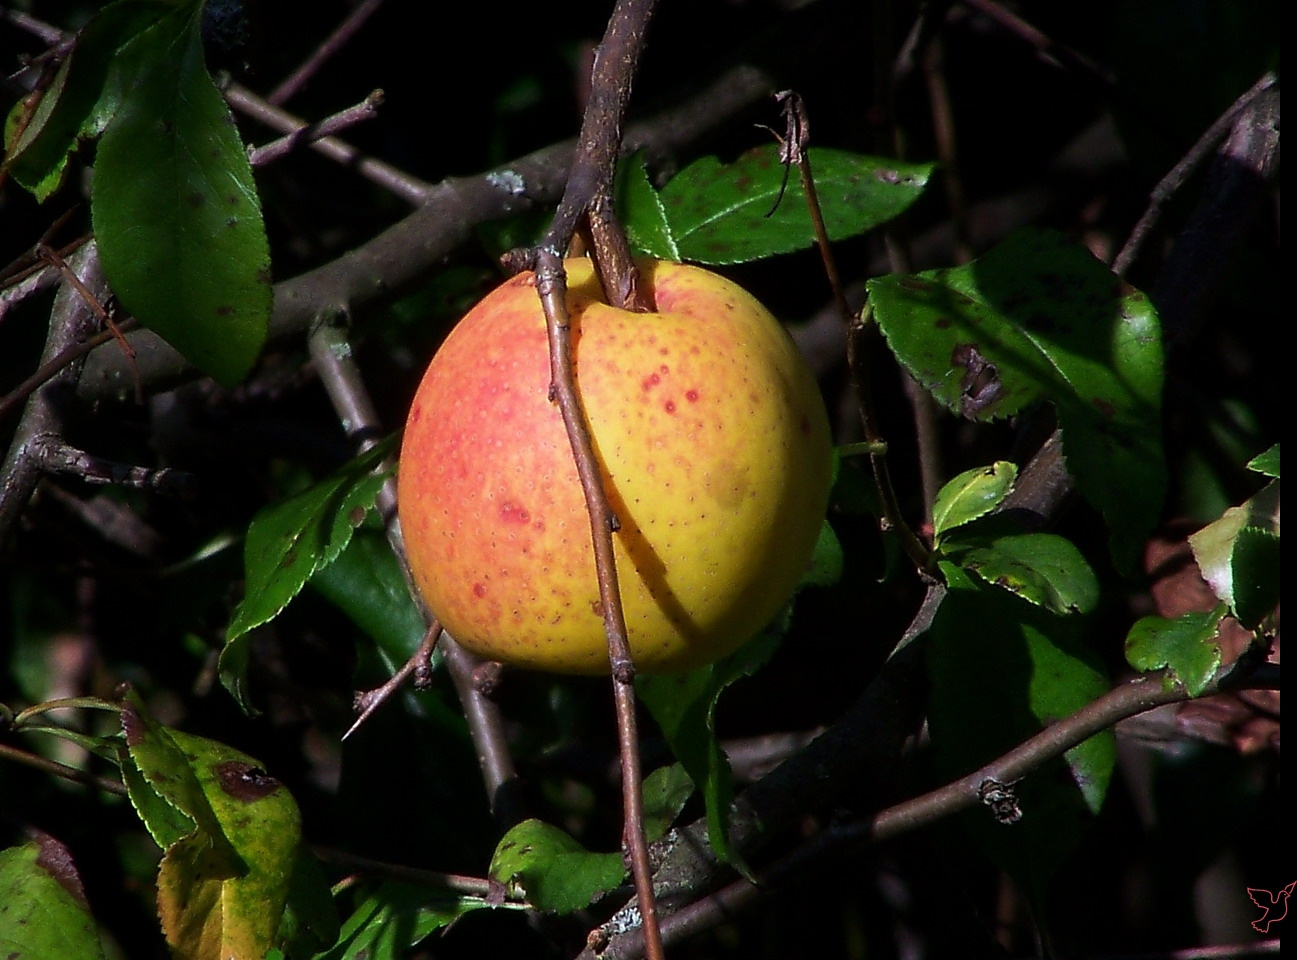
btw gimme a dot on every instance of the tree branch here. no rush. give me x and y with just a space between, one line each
73 320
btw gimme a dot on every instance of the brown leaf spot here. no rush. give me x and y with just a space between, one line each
55 860
244 782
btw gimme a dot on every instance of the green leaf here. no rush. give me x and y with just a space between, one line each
1239 555
641 211
1042 568
972 494
684 706
43 911
1039 318
1185 647
1266 463
222 887
68 110
175 208
1002 671
722 213
291 540
666 791
366 583
826 560
310 922
555 872
1256 576
396 916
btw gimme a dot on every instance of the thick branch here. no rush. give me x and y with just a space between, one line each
409 252
72 321
334 361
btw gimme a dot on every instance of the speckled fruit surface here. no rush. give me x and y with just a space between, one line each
715 448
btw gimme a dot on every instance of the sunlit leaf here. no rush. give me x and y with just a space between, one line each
175 208
75 105
1039 318
1042 568
553 871
1266 463
1239 555
223 885
641 211
733 213
1186 647
289 541
972 494
43 910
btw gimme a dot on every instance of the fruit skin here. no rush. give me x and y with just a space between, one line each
715 451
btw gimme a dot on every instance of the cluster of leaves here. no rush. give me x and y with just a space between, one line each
1037 320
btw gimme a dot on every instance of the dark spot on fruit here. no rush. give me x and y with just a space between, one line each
669 406
479 590
1104 407
691 396
511 512
224 310
805 426
664 369
243 781
943 323
197 199
651 381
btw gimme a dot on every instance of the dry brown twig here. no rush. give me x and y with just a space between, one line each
588 198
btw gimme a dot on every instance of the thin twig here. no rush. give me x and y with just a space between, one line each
390 178
1046 46
57 456
1178 175
49 368
331 45
588 196
368 701
53 257
793 151
456 882
943 130
73 774
367 109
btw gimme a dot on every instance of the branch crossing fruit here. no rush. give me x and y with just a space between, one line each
714 445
